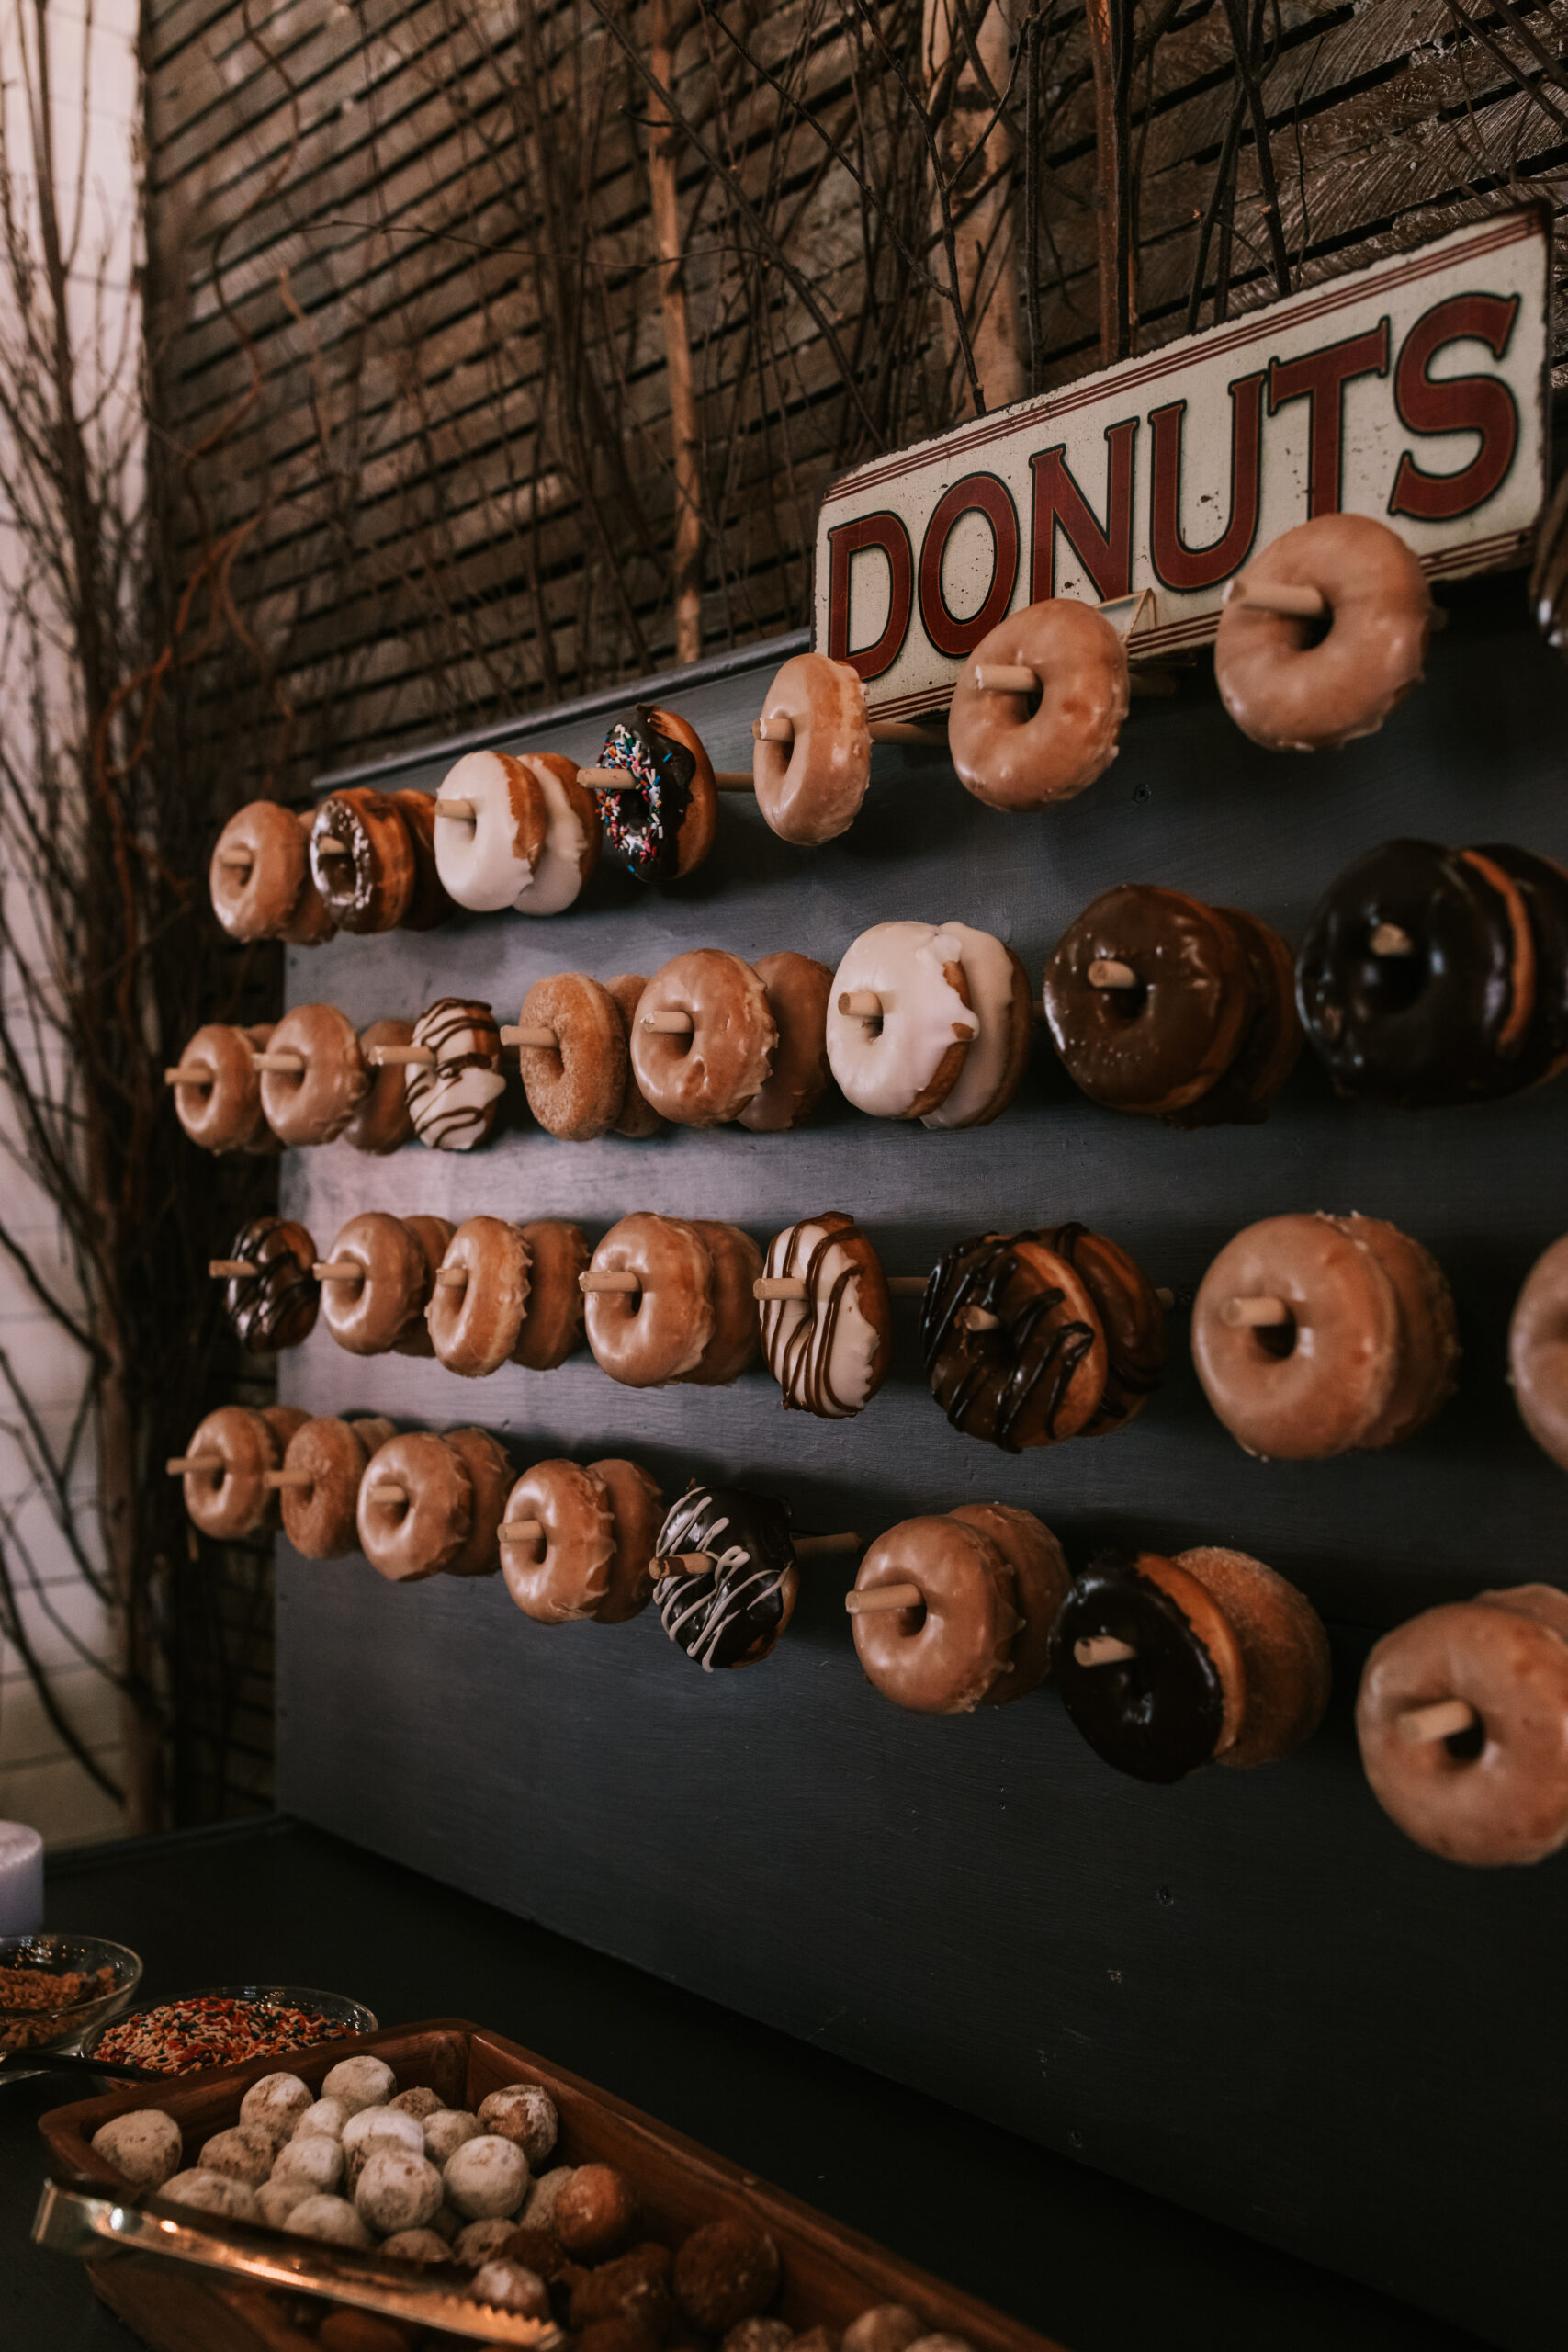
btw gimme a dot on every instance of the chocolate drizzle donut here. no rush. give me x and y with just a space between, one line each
275 1307
1130 1315
830 1352
362 860
660 824
732 1611
1038 1373
453 1105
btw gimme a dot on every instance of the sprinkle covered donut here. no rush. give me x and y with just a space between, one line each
554 1312
474 1323
382 1124
368 1309
701 1075
415 1507
563 1572
274 1306
811 758
1538 1353
453 1102
576 1087
904 1057
1168 1037
943 1654
1035 1374
220 1106
1025 751
1292 694
234 1499
660 824
320 1520
799 991
258 871
314 1104
487 859
362 860
660 1332
731 1610
829 1351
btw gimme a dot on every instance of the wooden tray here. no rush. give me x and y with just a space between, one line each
829 2273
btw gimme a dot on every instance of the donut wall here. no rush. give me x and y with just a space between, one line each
1246 1990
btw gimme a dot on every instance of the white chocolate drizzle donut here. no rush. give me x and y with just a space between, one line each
488 859
453 1104
732 1610
571 837
830 1352
811 762
904 1060
1003 1007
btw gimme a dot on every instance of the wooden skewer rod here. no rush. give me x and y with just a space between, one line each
292 1065
233 859
773 730
338 1269
1005 678
178 1464
400 1058
981 1318
1105 972
862 1004
521 1530
454 806
733 780
189 1074
275 1480
1102 1649
545 1038
679 1563
779 1286
629 1283
1274 596
881 1597
907 1286
1389 939
817 1547
232 1269
387 1491
450 1278
607 779
667 1024
1441 1720
1255 1314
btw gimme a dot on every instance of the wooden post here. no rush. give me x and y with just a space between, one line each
687 449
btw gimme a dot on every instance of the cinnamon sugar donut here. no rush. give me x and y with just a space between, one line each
709 1074
830 1350
275 1305
382 1124
663 1329
1292 689
1040 1581
1036 1376
737 1263
810 782
904 1060
798 993
941 1655
362 860
430 903
405 1540
474 1325
572 836
368 1315
314 1104
320 1520
553 1317
637 1514
488 859
256 899
1003 1005
220 1110
1014 751
489 1467
575 1088
1538 1353
234 1499
432 1238
1495 1791
637 1116
564 1572
452 1104
660 824
1169 1039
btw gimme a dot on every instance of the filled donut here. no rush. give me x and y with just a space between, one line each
453 1102
660 1331
730 1609
576 1087
258 871
831 1348
660 823
901 1018
217 1091
1026 750
708 1071
1296 685
799 991
1538 1353
275 1305
313 1104
362 860
811 760
475 1321
415 1507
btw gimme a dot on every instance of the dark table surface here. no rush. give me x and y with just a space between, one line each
1096 2265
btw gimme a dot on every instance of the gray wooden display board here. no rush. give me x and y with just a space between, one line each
1248 1992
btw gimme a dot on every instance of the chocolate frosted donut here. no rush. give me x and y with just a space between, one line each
709 1072
1494 1789
1272 1041
1129 1314
830 1350
257 872
563 1573
637 1116
575 1087
1538 1353
367 1313
362 860
798 993
811 756
382 1122
275 1307
737 1263
234 1499
1039 1374
663 1329
1162 1042
221 1108
474 1324
1025 751
553 1316
430 903
1543 893
637 1511
452 1104
943 1655
662 824
314 1104
1439 1023
412 1533
320 1520
732 1610
431 1237
490 1468
1041 1578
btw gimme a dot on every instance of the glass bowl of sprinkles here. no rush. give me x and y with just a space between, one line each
55 1990
225 2025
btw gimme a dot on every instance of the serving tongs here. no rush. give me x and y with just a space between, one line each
84 2221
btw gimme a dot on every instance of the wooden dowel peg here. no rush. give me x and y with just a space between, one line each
860 1004
521 1530
773 730
386 1490
1106 972
189 1074
178 1464
232 1269
779 1286
903 730
1275 596
1255 1314
667 1024
338 1269
628 1284
907 1286
295 1480
818 1547
1442 1720
1167 1299
733 780
608 779
235 861
400 1058
1389 939
454 806
679 1563
1005 678
883 1596
1102 1649
450 1278
290 1065
981 1318
1145 683
545 1038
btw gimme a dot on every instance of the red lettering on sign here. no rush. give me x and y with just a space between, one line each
1177 564
1319 377
847 540
1060 505
1481 404
976 495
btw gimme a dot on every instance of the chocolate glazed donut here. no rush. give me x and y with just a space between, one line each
275 1307
1130 1315
1420 1029
1544 888
1039 1375
732 1611
1167 1709
1160 1045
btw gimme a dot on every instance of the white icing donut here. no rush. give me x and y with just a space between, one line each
988 970
485 862
557 878
887 1066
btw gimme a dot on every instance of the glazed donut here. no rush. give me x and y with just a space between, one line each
830 1350
1543 893
452 1104
275 1307
1041 1581
362 860
637 1116
432 1238
1292 694
1162 1044
564 1572
1272 1041
1003 1007
431 902
1366 1357
1128 1310
258 871
320 1520
905 1059
373 1430
732 1610
1446 1022
661 1330
474 1324
553 1319
489 1467
409 1539
1011 756
710 1073
1224 1662
1496 1789
798 992
221 1111
1039 1374
367 1314
660 824
314 1104
488 859
311 924
637 1511
737 1263
575 1088
811 754
284 1421
941 1655
382 1122
1538 1353
233 1501
572 836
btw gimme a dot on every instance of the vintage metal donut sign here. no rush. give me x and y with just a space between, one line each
1414 390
